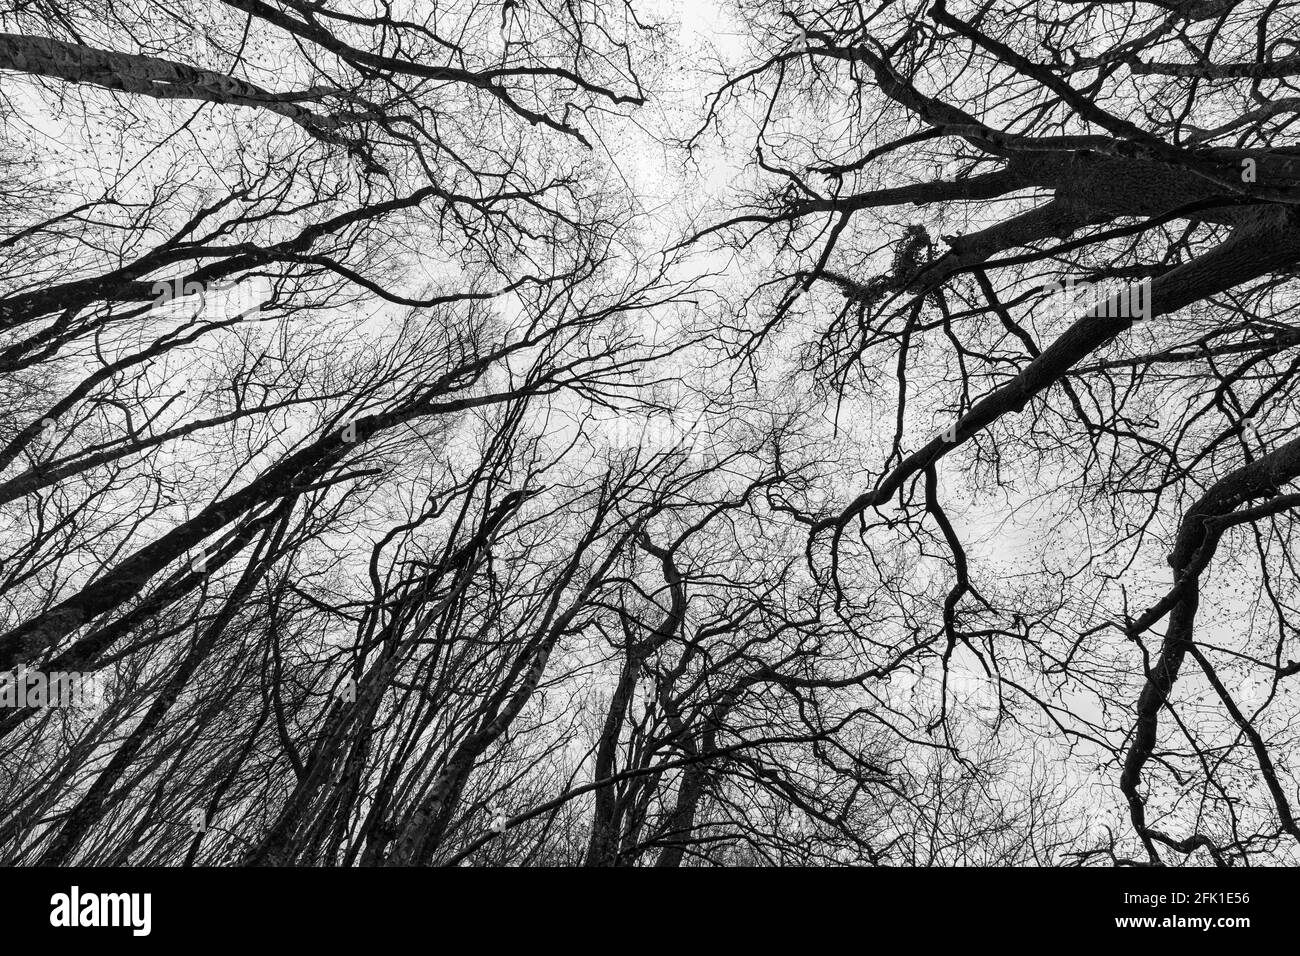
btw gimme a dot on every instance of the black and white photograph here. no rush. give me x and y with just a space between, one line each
842 449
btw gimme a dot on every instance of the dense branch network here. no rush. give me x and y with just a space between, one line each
430 459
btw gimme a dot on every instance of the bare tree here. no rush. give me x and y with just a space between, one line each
1099 354
433 460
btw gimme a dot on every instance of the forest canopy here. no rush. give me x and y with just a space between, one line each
621 433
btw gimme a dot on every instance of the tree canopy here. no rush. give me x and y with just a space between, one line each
619 433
